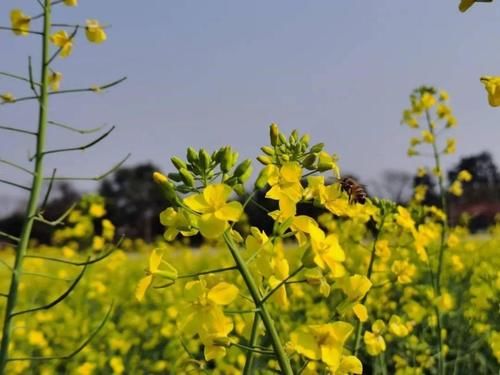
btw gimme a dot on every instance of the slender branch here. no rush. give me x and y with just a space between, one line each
254 338
15 185
6 265
281 355
49 189
9 128
80 131
45 276
31 80
280 284
9 236
88 89
196 275
359 324
73 263
20 78
96 178
22 30
255 350
79 148
57 300
251 311
16 166
57 221
74 352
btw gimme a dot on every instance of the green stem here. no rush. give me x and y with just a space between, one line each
359 324
248 369
442 246
282 358
34 194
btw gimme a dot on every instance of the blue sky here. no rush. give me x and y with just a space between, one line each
210 73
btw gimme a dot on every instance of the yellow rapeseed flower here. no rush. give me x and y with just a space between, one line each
95 32
456 188
404 271
427 136
20 22
7 97
214 209
71 3
427 100
375 343
396 327
323 342
464 176
55 80
451 146
286 187
62 40
491 85
155 260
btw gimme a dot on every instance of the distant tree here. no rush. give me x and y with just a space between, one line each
134 202
395 185
63 196
483 169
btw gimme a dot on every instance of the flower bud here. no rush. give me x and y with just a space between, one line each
227 162
166 187
205 159
186 177
192 155
178 162
242 168
267 150
305 139
325 161
274 134
317 147
264 159
309 161
159 178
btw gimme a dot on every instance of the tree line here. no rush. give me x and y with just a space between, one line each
133 201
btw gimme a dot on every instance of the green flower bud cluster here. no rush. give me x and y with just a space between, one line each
202 168
296 148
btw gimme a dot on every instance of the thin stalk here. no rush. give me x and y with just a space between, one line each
281 356
442 245
359 324
36 187
254 336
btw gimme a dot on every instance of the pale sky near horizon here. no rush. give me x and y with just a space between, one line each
211 73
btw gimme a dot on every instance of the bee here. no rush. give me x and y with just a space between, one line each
354 190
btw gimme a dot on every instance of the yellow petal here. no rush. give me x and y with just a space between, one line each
291 172
217 195
155 260
361 312
197 203
143 285
305 344
223 293
350 365
230 211
211 227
